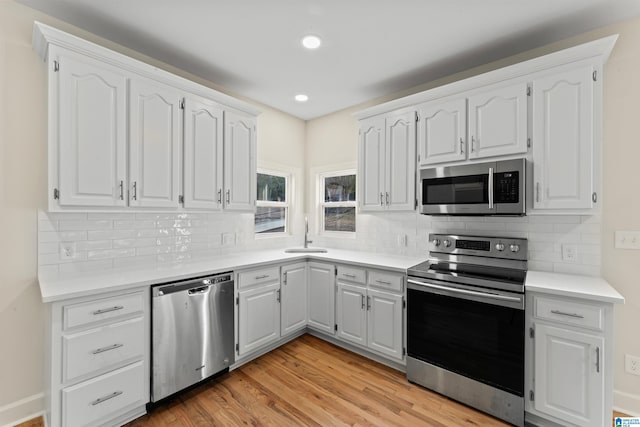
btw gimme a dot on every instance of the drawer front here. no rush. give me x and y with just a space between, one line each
255 277
102 309
101 348
569 312
355 275
95 401
385 280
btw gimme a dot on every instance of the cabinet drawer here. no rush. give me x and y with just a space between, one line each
255 277
101 348
356 275
387 281
97 400
569 312
102 309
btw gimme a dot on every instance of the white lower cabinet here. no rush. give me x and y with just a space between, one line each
369 310
293 309
568 370
258 317
321 297
98 361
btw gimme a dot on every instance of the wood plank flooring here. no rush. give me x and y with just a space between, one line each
313 383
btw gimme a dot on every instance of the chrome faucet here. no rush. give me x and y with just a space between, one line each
306 233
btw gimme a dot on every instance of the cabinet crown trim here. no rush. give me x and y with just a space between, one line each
44 36
598 50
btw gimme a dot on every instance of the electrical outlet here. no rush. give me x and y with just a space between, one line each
569 252
632 364
67 250
628 240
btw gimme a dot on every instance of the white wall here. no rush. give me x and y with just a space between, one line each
337 133
23 142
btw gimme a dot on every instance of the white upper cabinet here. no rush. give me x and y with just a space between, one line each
154 145
203 145
442 129
119 138
372 167
91 121
386 176
563 140
498 121
239 162
401 159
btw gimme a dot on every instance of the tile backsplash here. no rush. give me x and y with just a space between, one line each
71 242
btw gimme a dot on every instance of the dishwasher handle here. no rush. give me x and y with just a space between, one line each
192 287
199 290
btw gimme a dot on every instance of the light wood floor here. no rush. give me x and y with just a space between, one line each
310 382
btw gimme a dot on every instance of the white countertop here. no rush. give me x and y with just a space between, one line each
61 286
586 287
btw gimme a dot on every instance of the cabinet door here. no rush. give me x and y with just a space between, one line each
385 323
91 115
442 131
400 156
258 317
351 313
154 145
321 297
563 116
239 162
371 164
498 122
569 376
203 133
293 310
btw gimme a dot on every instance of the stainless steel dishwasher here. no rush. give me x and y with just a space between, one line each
192 332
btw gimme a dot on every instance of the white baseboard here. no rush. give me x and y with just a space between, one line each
626 403
22 410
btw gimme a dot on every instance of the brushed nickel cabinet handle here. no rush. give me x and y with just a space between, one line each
362 299
381 199
107 310
562 313
121 190
598 359
108 348
368 303
228 196
220 195
461 146
383 282
135 190
387 198
105 398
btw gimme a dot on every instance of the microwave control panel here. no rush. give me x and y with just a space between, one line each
506 186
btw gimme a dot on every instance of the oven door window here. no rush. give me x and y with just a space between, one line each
481 341
460 190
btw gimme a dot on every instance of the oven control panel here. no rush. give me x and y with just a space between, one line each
495 247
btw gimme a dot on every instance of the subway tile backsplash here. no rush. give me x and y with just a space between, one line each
102 241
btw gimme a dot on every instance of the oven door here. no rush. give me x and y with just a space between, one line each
471 331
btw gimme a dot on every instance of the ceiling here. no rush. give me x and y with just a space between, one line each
370 48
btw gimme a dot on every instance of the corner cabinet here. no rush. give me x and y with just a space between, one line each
566 122
569 360
386 167
321 296
124 134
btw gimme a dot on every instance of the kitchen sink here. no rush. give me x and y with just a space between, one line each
305 250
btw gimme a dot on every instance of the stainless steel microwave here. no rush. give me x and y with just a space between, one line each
495 188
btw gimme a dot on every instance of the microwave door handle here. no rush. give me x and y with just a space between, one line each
490 188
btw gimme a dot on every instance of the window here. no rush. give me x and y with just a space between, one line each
338 203
272 203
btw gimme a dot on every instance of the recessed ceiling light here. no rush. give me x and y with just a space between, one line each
301 97
311 42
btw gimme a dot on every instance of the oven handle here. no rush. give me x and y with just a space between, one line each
466 292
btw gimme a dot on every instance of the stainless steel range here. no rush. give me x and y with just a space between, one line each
465 322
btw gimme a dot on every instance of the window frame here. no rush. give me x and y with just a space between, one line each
322 204
266 203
